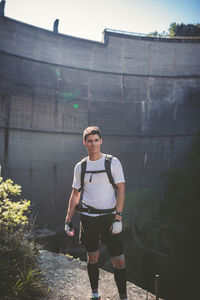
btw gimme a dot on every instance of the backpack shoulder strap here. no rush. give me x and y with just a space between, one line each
108 160
83 170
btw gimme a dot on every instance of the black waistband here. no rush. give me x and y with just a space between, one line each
92 210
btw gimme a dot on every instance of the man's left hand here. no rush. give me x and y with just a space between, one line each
116 227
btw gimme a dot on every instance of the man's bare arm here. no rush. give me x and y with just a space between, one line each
73 201
120 199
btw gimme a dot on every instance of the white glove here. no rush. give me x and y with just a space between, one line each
69 228
116 227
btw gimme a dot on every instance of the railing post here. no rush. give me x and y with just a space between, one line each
157 286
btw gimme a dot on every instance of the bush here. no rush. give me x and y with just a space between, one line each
12 213
19 275
181 206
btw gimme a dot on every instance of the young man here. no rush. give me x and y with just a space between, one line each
101 210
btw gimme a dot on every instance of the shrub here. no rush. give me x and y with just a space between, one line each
12 213
19 275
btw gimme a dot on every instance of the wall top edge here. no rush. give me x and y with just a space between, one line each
49 31
106 33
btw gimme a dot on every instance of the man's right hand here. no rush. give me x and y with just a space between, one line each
69 229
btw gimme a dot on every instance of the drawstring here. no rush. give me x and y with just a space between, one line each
90 178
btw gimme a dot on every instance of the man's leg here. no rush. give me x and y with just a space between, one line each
118 263
115 247
91 243
93 271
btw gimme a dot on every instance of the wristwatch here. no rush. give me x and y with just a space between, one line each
119 213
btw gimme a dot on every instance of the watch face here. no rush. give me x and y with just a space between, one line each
118 213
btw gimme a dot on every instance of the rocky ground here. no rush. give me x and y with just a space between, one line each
68 280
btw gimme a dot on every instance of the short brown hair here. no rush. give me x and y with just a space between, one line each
91 130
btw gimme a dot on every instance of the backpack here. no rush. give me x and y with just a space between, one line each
108 160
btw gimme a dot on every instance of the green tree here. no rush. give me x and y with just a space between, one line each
158 34
184 29
173 29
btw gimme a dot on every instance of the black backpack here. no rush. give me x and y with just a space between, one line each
108 160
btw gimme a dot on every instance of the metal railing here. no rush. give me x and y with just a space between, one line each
150 34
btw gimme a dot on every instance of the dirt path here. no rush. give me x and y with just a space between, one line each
68 280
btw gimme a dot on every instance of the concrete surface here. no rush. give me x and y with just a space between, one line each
143 93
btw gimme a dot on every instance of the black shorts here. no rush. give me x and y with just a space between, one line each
96 229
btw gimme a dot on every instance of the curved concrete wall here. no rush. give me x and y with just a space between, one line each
143 93
119 53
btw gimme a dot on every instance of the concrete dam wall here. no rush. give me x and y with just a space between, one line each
144 94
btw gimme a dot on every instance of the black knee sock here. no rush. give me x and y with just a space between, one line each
93 273
120 279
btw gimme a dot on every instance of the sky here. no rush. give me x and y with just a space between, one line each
88 18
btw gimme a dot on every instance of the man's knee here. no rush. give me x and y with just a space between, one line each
118 262
92 257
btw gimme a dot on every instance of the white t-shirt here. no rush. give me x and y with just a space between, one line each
99 193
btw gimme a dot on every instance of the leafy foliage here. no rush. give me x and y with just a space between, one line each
181 206
158 34
168 223
184 29
12 213
18 252
176 29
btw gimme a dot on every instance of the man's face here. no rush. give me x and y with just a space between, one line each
93 143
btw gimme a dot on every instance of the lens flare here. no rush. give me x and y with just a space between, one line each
75 105
68 96
56 71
